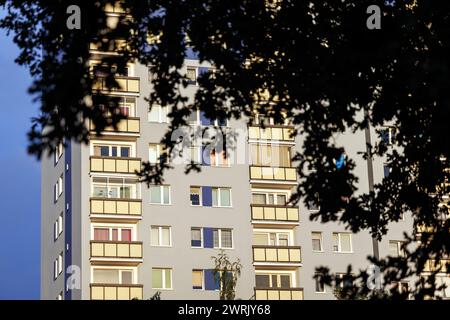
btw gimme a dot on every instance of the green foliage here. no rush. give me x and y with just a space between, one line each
227 273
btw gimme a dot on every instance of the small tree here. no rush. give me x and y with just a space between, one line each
227 273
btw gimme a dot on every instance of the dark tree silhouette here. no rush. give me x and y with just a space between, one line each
314 62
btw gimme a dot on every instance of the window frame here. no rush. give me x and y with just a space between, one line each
110 227
201 238
340 242
219 202
317 284
163 282
199 194
161 119
320 241
160 236
202 279
219 234
162 195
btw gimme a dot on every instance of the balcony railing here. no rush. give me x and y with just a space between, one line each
101 291
115 164
110 46
279 293
279 133
126 207
277 254
128 125
116 249
435 266
126 84
262 212
273 174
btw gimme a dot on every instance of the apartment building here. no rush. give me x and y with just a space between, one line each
105 235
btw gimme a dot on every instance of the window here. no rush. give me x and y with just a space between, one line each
197 279
386 170
58 227
119 188
193 154
160 236
273 280
396 249
221 197
312 205
270 198
158 114
58 188
442 281
401 287
111 150
161 278
59 151
196 238
316 241
104 233
222 238
342 242
157 154
191 75
127 106
320 286
265 238
270 155
388 135
113 276
160 194
344 280
193 118
195 196
219 159
58 266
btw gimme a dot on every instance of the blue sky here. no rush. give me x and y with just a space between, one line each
20 190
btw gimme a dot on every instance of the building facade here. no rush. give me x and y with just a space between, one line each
105 235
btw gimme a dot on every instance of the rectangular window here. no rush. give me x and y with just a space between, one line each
59 187
196 238
58 226
191 75
270 198
273 280
122 188
193 118
271 238
111 150
386 170
221 197
342 242
316 241
59 151
195 196
113 276
388 135
344 280
197 279
270 155
219 159
161 278
160 236
160 194
158 114
222 238
320 287
396 249
113 234
157 153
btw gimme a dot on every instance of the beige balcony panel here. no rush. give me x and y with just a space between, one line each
273 295
271 254
295 255
123 250
261 295
133 125
278 173
259 254
281 213
110 293
109 165
122 166
297 295
110 207
97 293
122 126
283 255
257 213
97 206
135 208
253 132
266 134
269 213
134 165
133 85
122 84
122 207
136 251
287 134
110 249
255 172
277 133
267 173
292 214
96 165
136 293
291 174
97 250
285 295
123 293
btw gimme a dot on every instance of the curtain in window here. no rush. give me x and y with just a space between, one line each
226 239
126 234
101 234
165 236
346 242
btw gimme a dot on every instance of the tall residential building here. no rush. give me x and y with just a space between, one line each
105 235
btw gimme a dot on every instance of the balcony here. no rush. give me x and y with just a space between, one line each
271 132
115 165
278 294
273 213
440 266
126 85
129 125
116 208
270 174
116 291
289 255
124 252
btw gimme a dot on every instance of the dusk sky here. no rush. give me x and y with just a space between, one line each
20 191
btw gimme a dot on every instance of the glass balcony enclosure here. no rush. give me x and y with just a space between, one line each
117 188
